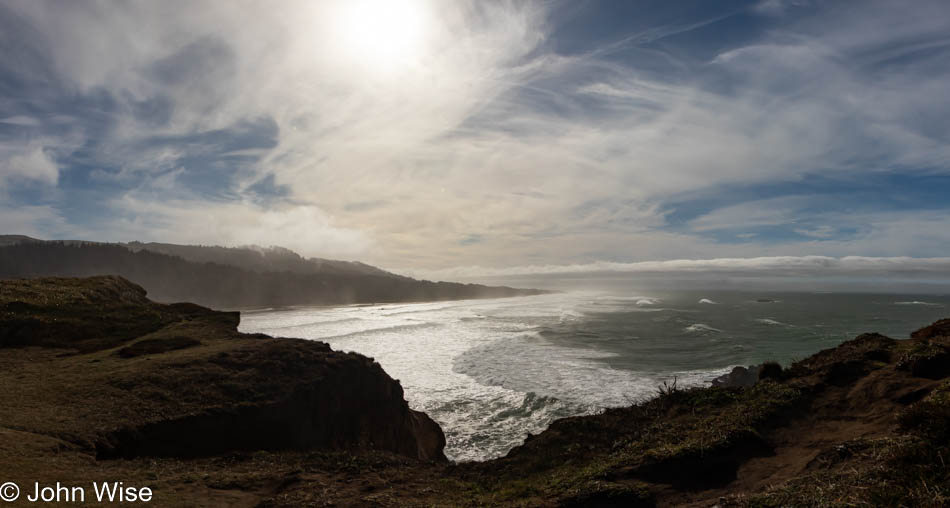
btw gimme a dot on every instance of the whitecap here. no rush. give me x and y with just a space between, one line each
570 315
700 328
770 322
707 300
612 298
382 329
310 323
916 302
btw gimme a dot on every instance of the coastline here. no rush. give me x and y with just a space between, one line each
79 411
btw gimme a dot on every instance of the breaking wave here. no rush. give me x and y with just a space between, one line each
492 371
701 329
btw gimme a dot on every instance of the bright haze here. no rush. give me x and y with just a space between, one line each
457 139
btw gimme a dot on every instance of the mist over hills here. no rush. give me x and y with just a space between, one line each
258 259
229 277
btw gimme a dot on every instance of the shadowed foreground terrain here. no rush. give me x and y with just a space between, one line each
99 383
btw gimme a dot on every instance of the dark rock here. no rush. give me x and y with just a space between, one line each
738 377
913 396
771 370
927 359
747 376
845 372
934 367
939 328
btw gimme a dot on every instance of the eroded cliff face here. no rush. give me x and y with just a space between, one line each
289 394
96 363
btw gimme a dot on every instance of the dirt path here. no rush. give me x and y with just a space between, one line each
865 410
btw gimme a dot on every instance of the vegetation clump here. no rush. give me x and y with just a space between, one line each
770 370
930 417
907 467
928 358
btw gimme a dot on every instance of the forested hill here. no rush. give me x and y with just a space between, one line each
258 259
215 284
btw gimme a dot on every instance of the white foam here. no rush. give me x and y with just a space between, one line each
707 301
417 343
480 368
570 315
700 328
613 298
915 302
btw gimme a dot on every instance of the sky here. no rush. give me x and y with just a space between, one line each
468 137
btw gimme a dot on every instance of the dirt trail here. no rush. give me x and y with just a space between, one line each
866 409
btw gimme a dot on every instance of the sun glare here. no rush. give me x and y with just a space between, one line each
383 35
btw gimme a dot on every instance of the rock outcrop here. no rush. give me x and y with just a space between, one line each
739 376
136 378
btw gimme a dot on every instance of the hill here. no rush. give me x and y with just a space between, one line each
259 259
230 278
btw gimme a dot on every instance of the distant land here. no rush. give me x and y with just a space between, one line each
230 277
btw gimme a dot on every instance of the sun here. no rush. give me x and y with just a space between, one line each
383 35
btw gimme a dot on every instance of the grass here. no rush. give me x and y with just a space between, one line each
907 469
682 433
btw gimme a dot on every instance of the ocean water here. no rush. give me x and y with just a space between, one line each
492 371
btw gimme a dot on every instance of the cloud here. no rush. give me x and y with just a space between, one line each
789 266
823 231
778 7
258 122
21 120
30 164
36 221
766 212
305 229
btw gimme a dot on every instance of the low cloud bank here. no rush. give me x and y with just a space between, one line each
758 266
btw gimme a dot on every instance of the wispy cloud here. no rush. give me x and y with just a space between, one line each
262 123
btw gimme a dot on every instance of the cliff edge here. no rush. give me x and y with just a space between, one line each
94 363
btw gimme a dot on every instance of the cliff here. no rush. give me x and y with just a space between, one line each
99 383
94 363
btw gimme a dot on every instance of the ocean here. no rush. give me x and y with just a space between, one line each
492 371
